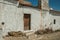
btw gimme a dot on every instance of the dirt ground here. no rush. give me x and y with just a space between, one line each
49 36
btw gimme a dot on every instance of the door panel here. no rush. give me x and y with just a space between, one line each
27 20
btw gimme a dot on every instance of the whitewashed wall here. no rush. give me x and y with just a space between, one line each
57 18
13 18
1 9
47 20
57 25
35 17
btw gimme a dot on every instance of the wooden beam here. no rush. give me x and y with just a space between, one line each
24 2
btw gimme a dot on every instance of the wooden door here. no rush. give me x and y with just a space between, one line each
27 19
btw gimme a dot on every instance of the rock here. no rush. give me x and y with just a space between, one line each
16 34
47 30
39 32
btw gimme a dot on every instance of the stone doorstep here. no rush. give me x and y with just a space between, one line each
29 32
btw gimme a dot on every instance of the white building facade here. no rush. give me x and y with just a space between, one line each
12 17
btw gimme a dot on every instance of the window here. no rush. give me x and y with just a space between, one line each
54 21
2 23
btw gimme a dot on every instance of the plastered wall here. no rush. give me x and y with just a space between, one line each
12 17
55 15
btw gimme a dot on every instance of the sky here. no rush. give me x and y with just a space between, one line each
34 2
55 4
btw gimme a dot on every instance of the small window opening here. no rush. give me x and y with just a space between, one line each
2 23
54 21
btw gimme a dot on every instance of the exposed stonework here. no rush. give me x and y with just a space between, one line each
45 4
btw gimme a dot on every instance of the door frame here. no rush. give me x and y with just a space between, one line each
29 21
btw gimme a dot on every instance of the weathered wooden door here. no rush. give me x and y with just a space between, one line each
27 19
